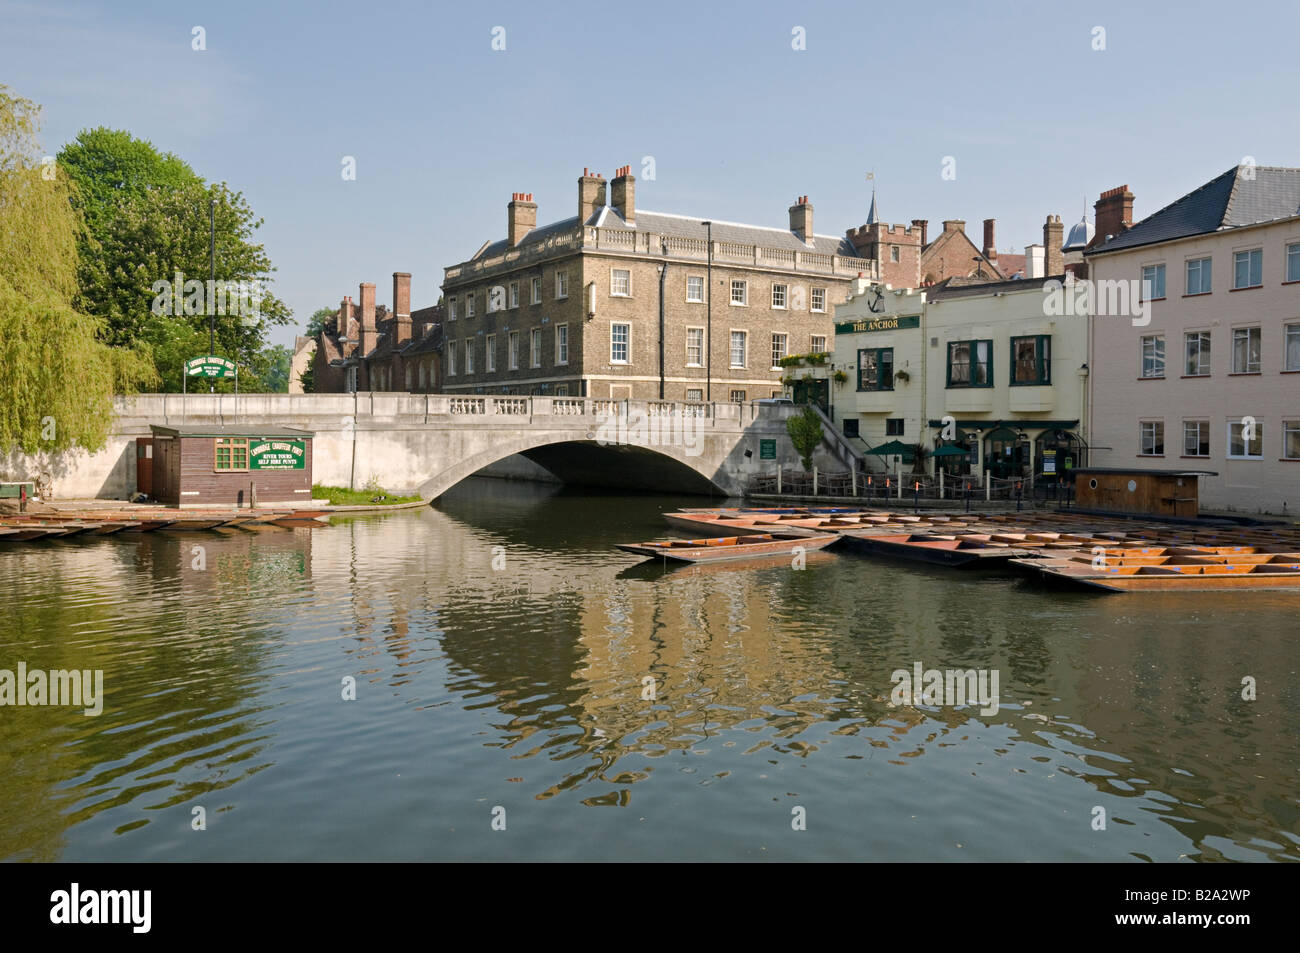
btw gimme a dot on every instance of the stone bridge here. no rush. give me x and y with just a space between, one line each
426 444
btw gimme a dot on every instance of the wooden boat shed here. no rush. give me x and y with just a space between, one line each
211 465
1141 492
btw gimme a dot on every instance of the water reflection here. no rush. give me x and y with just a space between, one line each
504 654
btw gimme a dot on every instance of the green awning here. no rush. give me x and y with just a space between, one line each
950 451
892 448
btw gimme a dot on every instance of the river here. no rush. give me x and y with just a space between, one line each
525 692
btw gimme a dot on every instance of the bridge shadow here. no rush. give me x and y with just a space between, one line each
624 467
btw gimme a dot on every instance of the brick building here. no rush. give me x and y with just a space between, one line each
573 307
370 348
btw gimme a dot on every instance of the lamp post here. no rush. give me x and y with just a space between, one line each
708 330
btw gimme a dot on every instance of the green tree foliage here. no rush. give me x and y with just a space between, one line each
308 378
320 320
147 216
278 358
806 434
57 377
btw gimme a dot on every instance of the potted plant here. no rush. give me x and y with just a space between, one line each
840 377
902 376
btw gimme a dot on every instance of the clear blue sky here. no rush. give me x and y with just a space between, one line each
444 128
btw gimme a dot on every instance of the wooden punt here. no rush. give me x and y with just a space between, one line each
1176 568
301 518
716 549
936 548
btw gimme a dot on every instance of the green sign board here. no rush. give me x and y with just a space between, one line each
891 323
210 366
767 450
277 455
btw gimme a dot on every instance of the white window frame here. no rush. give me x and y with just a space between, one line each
469 356
537 290
1290 427
469 305
561 344
780 297
561 390
627 342
812 344
1259 335
1292 254
1204 275
514 294
1289 332
451 358
1156 427
561 285
784 339
1238 426
512 351
1254 256
737 400
744 347
695 394
490 354
741 285
698 281
1142 371
1157 294
818 293
1198 424
451 309
535 347
691 331
1208 348
617 274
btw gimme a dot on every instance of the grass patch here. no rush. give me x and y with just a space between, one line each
374 496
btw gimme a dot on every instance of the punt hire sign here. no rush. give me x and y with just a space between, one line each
277 455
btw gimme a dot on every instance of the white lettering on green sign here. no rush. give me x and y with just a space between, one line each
278 455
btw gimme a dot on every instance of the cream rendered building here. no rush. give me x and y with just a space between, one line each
984 369
1212 381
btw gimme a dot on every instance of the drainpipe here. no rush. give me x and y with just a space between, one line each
708 332
663 275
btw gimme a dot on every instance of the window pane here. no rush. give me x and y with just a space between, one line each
1293 263
1291 440
1293 347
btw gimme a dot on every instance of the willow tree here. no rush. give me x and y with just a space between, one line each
57 378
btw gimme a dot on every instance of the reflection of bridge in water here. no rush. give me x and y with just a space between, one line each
428 443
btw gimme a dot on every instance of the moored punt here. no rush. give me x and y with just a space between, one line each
1174 568
301 518
941 549
724 548
25 530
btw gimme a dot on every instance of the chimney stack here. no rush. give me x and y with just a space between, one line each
990 246
623 194
1114 214
521 217
368 334
923 225
347 322
801 219
1053 239
591 195
954 225
402 307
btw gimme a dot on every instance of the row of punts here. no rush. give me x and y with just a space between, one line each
1110 554
18 528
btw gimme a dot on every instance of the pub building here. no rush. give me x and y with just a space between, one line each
222 466
978 374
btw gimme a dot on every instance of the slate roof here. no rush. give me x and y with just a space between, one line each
685 226
1244 195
